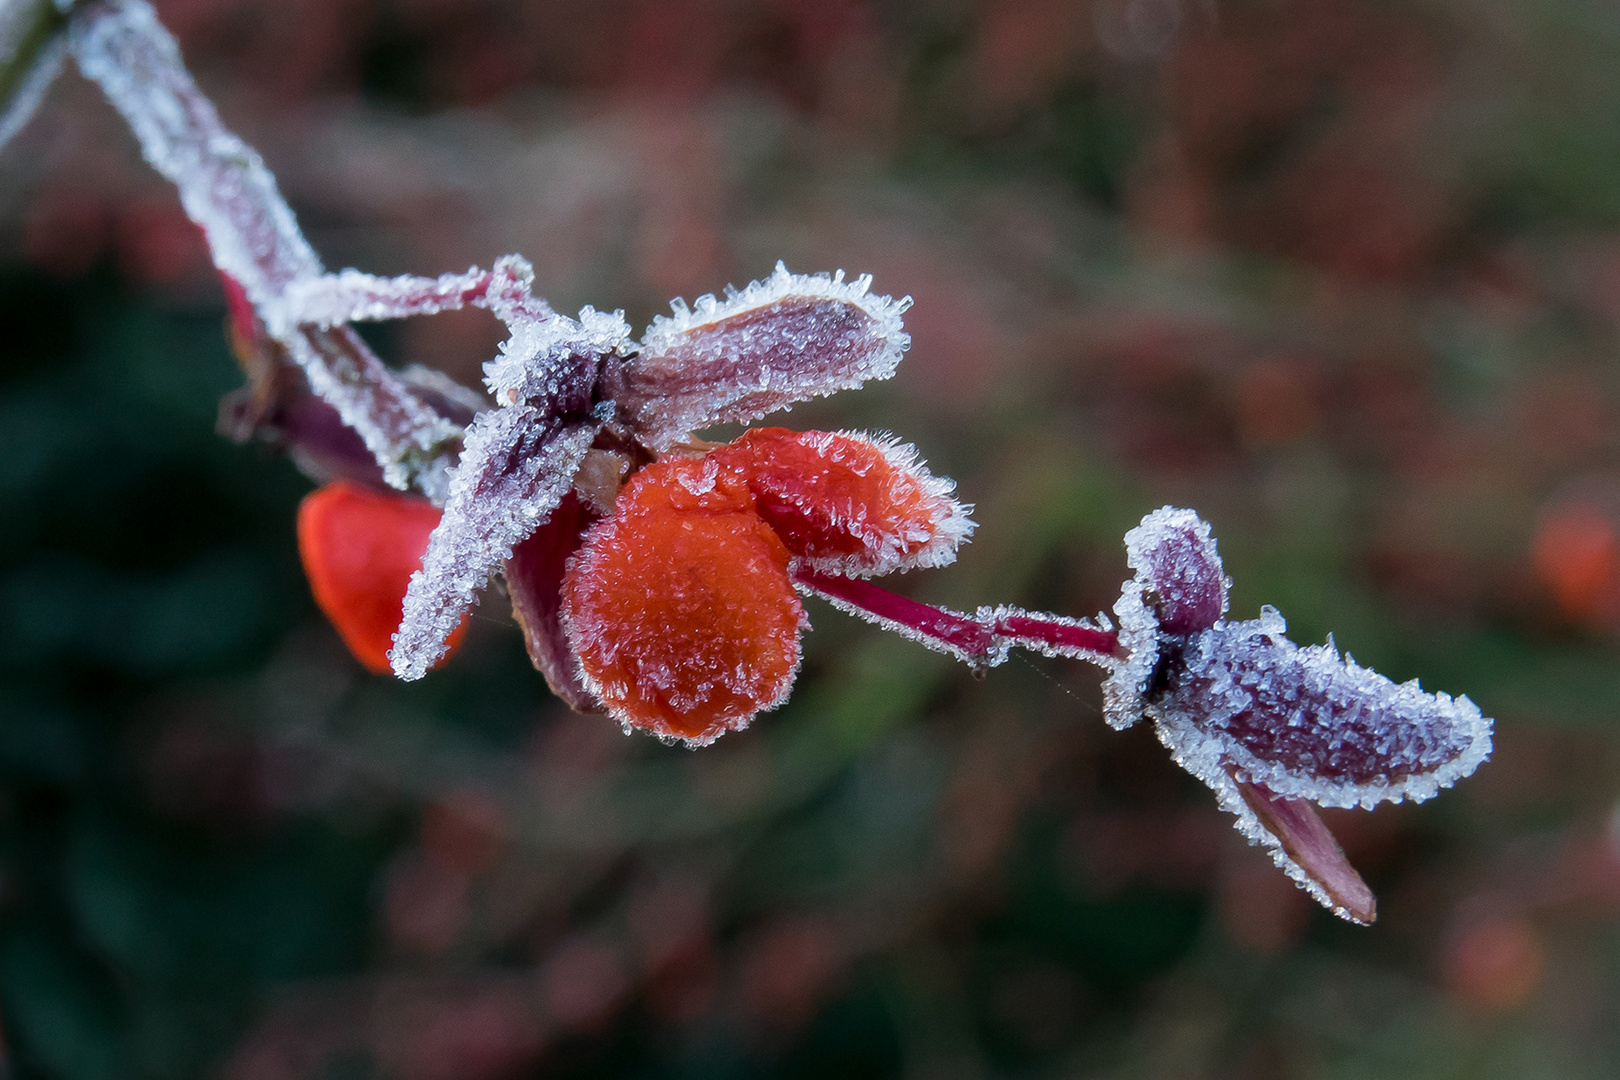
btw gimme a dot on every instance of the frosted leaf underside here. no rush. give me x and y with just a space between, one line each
1307 852
515 466
787 339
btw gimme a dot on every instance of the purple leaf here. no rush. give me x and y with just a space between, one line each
787 339
534 576
1302 845
1311 724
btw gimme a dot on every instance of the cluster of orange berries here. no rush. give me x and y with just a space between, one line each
678 605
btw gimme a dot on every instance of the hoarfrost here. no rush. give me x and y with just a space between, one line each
1053 635
1139 640
223 182
353 296
787 339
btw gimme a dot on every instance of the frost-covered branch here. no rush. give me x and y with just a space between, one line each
657 576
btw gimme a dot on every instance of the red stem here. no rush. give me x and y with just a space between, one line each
981 639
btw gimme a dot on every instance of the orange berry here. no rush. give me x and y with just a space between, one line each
359 547
1576 555
679 605
848 504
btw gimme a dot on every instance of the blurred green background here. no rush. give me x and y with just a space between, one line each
1343 275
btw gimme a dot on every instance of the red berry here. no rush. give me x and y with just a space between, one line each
360 546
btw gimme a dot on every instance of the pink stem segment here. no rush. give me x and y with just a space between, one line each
981 639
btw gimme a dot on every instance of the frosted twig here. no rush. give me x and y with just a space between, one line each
251 232
33 43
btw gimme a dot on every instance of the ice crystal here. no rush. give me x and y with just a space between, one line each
786 339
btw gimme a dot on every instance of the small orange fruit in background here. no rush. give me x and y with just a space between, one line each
1576 557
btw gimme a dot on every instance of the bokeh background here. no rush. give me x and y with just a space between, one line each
1344 275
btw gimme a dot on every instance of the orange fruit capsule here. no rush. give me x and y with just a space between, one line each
679 605
359 547
849 504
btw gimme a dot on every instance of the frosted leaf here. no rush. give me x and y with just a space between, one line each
1308 723
1289 830
515 466
557 362
534 575
286 415
455 402
1303 847
408 439
352 296
789 338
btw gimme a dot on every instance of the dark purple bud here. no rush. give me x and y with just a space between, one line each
1174 558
